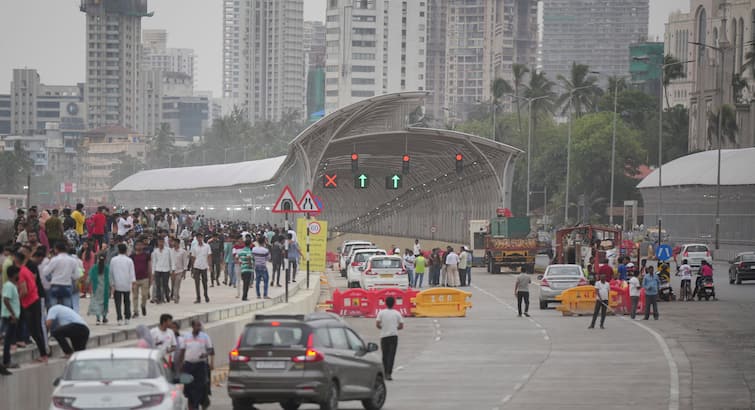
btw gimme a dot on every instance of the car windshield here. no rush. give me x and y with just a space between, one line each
273 334
111 369
363 256
386 263
748 258
563 271
697 248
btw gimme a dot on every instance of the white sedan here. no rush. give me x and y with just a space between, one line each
127 378
384 271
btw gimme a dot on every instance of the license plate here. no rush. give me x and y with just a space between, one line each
752 267
386 276
271 365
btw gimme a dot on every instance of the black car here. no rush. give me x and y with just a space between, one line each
742 268
295 359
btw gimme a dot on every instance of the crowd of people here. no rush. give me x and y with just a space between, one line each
135 258
444 267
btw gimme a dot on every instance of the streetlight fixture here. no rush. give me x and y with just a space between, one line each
568 152
662 68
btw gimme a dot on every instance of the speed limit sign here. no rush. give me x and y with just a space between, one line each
314 228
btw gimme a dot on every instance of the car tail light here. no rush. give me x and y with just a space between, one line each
150 400
582 282
741 265
235 356
369 272
65 403
354 263
310 355
545 283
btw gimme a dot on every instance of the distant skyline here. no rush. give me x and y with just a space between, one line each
54 43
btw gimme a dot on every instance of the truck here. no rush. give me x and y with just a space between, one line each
508 243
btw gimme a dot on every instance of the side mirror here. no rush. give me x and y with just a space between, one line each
56 382
540 277
372 347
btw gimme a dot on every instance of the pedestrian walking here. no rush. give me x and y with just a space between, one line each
201 259
197 358
229 263
463 264
61 272
452 268
634 292
31 304
179 264
276 255
293 254
417 249
522 293
122 278
64 324
162 266
409 264
216 259
261 257
143 271
99 276
246 260
389 321
602 290
163 337
651 284
10 313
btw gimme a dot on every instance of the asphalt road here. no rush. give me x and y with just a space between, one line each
699 355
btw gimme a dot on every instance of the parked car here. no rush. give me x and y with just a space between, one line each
384 271
694 253
127 378
742 267
356 263
345 249
295 359
558 278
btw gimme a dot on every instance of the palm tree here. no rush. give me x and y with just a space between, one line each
499 88
672 70
519 71
161 147
729 125
615 82
581 87
540 91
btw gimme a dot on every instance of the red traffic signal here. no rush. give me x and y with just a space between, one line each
405 164
354 156
459 157
459 163
405 158
355 162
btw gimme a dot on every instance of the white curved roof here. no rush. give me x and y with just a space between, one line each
737 168
210 176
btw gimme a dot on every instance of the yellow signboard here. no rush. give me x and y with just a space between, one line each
318 243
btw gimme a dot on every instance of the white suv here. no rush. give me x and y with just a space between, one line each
357 262
694 253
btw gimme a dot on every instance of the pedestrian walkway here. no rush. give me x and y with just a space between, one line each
223 305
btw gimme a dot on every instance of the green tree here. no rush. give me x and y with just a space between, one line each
614 83
675 133
161 148
581 87
125 167
519 71
15 166
729 128
499 88
540 91
673 69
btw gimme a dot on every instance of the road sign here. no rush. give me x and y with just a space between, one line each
68 187
433 229
314 228
286 203
330 181
308 203
393 181
361 181
663 252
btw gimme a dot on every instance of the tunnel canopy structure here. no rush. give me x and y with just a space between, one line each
434 199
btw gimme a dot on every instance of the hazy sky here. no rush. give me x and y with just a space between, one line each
52 41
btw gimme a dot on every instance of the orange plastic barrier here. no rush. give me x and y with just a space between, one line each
580 300
442 302
367 303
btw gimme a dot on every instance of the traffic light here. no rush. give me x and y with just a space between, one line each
355 162
361 181
459 163
393 181
405 164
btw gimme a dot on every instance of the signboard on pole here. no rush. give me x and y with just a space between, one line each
67 187
318 242
308 203
286 203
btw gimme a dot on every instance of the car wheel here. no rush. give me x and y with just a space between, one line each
379 394
543 305
242 404
290 405
331 401
490 265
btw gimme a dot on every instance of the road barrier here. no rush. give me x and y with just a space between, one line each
403 300
442 302
353 302
580 300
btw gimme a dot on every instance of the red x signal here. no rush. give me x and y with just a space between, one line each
330 181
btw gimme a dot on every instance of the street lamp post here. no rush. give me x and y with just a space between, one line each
568 153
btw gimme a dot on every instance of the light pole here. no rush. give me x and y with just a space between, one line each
723 44
568 152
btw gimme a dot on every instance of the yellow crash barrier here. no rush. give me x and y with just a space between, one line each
441 302
581 300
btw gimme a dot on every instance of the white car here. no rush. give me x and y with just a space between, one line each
384 271
128 378
345 249
694 253
357 262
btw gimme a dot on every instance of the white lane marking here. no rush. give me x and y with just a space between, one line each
400 368
673 403
517 386
437 339
526 376
537 324
546 337
506 398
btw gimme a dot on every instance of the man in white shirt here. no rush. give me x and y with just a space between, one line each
61 272
389 321
463 267
634 292
417 249
201 257
180 264
685 271
125 223
197 358
452 268
163 337
602 290
162 265
122 278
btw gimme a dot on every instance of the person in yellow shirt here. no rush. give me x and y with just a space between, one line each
78 216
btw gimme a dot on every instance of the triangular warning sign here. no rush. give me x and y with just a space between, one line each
286 203
308 203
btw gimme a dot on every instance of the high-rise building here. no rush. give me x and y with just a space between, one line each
374 47
314 54
156 39
157 54
484 39
263 57
592 32
113 38
676 43
436 59
314 43
5 116
646 59
33 104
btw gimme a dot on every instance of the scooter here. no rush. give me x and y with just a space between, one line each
704 288
665 291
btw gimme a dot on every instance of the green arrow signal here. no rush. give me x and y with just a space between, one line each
396 179
362 181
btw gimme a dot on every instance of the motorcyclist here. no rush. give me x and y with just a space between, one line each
664 276
705 275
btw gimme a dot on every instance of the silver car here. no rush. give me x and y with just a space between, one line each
558 278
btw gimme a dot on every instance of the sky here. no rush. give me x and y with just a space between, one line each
53 41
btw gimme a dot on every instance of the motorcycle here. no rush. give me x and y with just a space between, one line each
704 288
665 291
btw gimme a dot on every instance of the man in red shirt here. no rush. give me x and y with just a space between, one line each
605 270
143 269
31 305
98 231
